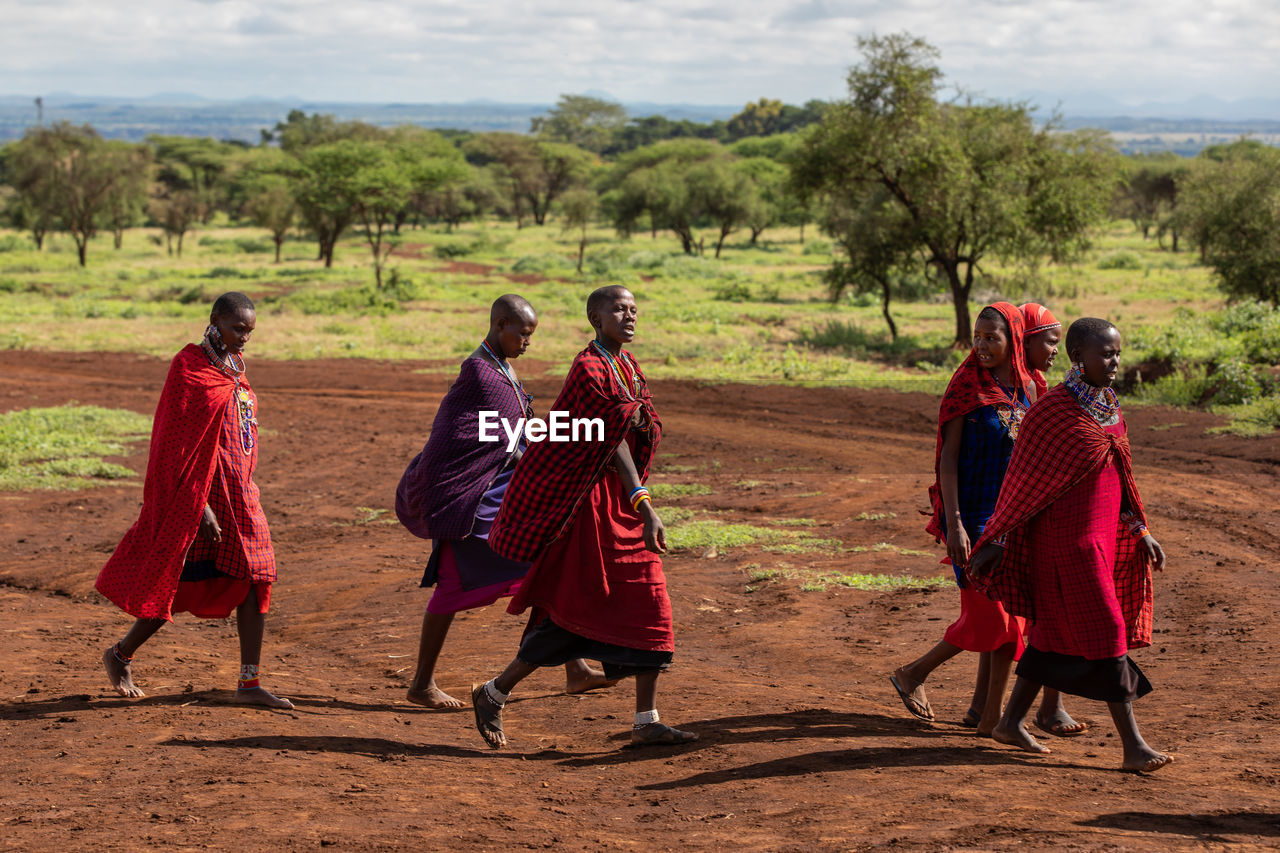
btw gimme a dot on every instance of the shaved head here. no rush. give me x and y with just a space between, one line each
509 306
232 303
604 294
1083 331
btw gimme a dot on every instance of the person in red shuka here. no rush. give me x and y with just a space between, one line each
201 543
579 512
1068 549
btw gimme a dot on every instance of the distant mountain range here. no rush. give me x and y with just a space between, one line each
245 119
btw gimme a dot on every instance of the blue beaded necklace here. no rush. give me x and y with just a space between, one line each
629 390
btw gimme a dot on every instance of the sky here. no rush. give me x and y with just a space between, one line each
662 51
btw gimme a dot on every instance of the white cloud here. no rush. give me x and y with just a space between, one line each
700 51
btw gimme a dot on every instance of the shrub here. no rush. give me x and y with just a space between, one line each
15 243
1236 383
1120 261
816 247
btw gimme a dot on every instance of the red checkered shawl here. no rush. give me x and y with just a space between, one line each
971 387
142 575
1058 446
553 477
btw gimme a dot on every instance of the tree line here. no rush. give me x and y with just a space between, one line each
911 185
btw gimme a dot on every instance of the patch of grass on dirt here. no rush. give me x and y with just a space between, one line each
371 515
874 583
874 516
888 546
62 447
704 533
663 491
796 522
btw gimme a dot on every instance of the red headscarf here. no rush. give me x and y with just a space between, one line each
1036 318
973 386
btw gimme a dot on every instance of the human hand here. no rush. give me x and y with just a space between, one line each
209 528
655 535
958 545
986 560
1154 552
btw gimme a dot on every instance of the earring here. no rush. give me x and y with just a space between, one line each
214 335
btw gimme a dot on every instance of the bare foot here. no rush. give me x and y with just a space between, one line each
593 679
1019 737
433 697
658 733
1145 760
1060 723
488 717
259 696
120 674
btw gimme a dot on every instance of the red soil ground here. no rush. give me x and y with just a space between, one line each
804 744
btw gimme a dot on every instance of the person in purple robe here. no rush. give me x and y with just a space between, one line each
451 491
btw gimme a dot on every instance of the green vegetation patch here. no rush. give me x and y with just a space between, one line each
662 491
699 535
62 447
874 583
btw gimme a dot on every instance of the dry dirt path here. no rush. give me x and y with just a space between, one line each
804 744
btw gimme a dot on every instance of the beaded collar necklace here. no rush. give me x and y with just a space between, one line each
521 396
628 389
1102 404
218 355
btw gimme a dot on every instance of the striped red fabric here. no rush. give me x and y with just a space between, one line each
553 478
1059 446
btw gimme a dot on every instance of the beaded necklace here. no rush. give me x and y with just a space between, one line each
1102 404
241 398
523 397
1012 414
627 388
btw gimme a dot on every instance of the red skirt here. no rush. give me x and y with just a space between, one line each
984 625
599 580
216 598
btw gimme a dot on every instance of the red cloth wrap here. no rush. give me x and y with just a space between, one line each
1058 446
1035 319
553 478
973 386
142 575
567 513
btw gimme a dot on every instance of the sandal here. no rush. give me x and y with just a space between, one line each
488 719
660 734
921 709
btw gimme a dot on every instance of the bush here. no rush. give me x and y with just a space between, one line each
539 264
1237 382
733 292
226 272
837 334
816 247
15 243
1121 261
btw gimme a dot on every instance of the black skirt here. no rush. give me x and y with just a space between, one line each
547 644
1107 680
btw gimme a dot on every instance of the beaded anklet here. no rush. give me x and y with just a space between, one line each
248 676
645 718
115 650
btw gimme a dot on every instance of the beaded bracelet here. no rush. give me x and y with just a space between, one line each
639 496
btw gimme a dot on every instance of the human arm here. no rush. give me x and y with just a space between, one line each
949 480
986 559
655 535
209 527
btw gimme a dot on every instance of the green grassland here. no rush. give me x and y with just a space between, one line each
758 314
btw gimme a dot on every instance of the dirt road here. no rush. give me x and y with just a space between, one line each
804 744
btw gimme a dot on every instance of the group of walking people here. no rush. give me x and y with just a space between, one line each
1034 498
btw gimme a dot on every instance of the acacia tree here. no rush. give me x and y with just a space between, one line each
974 181
271 205
578 207
1232 205
581 120
653 182
128 195
327 189
65 175
875 236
